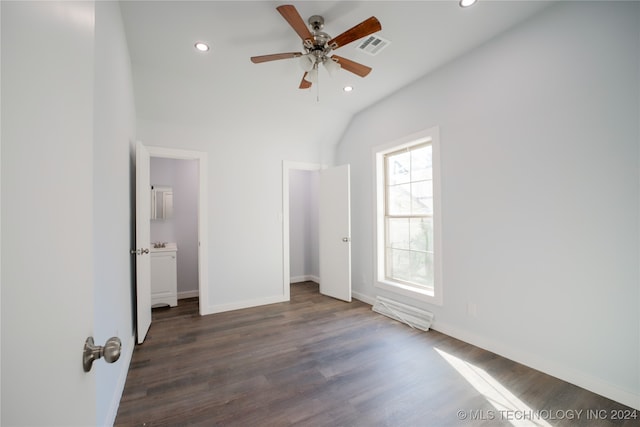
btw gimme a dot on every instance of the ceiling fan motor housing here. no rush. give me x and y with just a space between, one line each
316 22
319 45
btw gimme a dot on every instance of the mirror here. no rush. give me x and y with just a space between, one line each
161 202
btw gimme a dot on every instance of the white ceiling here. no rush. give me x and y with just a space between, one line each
174 82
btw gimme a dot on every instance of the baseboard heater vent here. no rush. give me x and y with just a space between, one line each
412 316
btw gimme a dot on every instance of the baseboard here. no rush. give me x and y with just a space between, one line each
220 308
125 358
364 298
188 294
565 373
307 278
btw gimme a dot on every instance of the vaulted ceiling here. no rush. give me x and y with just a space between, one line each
176 83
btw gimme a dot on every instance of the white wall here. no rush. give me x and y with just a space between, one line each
540 197
114 132
182 176
303 225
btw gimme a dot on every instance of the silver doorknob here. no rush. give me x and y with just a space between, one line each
110 352
346 239
139 251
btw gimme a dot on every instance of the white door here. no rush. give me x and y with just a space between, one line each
47 213
335 233
143 240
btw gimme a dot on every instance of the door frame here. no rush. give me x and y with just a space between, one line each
203 240
287 166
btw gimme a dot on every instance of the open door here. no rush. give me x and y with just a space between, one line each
143 240
335 233
47 240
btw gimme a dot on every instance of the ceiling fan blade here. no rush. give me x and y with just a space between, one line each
366 27
354 67
304 84
291 15
274 57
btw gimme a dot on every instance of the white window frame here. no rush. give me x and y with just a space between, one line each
432 136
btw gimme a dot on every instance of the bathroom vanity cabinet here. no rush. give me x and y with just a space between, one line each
164 281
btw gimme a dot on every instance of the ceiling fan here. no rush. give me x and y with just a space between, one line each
318 45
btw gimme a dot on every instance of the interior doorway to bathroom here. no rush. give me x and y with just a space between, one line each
143 192
176 219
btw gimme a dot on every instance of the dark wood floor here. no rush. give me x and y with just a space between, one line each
316 361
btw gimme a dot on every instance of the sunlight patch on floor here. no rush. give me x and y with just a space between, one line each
507 406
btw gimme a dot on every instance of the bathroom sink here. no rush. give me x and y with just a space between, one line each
168 247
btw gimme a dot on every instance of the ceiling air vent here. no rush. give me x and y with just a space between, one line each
372 45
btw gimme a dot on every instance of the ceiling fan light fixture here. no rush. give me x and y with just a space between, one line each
312 75
307 62
347 88
332 66
467 3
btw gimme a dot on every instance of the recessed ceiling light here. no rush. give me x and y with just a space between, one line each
202 47
467 3
348 88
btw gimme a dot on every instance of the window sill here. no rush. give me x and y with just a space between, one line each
410 291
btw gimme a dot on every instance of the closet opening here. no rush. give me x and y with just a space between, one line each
300 226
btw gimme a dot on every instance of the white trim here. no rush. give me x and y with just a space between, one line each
363 297
307 278
175 153
220 308
125 357
188 294
563 372
431 135
287 166
406 290
203 235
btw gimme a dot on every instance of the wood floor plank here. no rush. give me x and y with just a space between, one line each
316 361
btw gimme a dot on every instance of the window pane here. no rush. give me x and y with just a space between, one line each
421 268
422 198
399 199
418 261
430 277
398 232
399 168
421 234
400 265
409 210
421 168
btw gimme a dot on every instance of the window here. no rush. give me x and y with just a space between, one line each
408 231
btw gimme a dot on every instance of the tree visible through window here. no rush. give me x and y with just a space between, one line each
409 255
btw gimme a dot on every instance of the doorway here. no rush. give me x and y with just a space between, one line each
304 226
334 229
192 163
174 221
296 177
